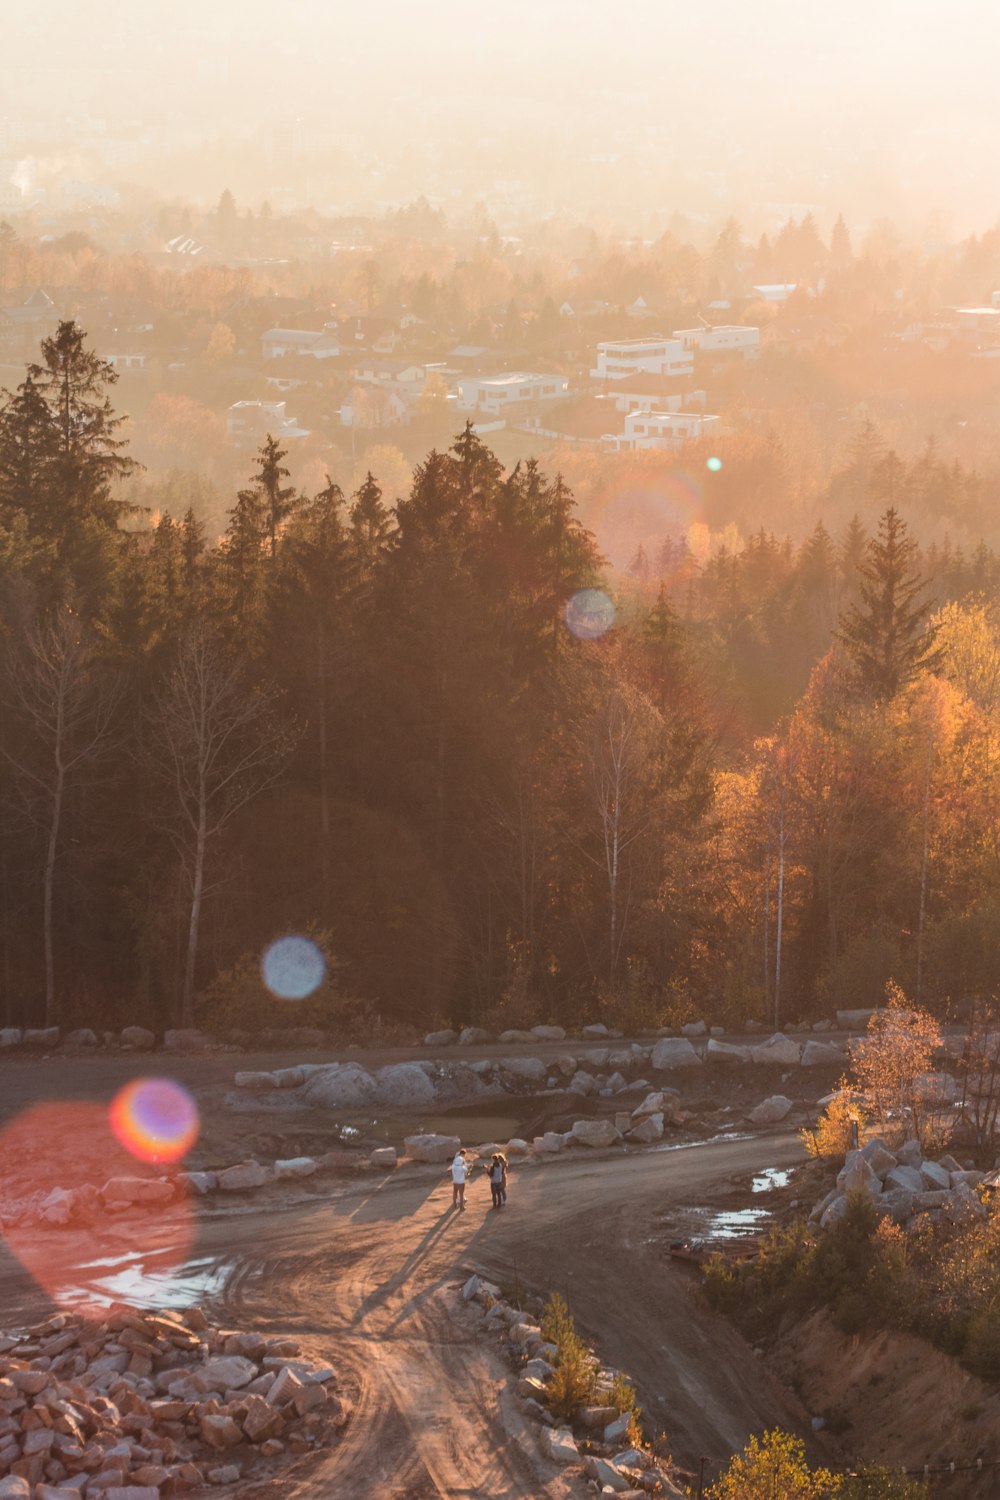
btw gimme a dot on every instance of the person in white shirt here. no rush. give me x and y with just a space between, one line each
459 1174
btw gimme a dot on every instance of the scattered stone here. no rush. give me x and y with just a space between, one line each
472 1036
934 1178
226 1474
728 1053
595 1133
771 1111
605 1473
617 1431
440 1038
878 1157
201 1182
907 1178
548 1144
549 1033
583 1084
46 1036
816 1054
909 1154
10 1036
383 1156
558 1445
471 1288
674 1052
82 1037
128 1190
859 1176
185 1039
595 1030
648 1130
138 1039
242 1178
778 1050
295 1166
694 1028
404 1085
526 1069
432 1148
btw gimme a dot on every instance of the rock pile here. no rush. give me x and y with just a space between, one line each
143 1403
597 1441
902 1183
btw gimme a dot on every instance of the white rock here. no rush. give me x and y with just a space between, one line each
595 1133
82 1037
201 1182
857 1175
674 1052
778 1050
527 1069
816 1054
136 1190
771 1111
583 1084
403 1085
617 1431
548 1144
564 1064
694 1028
549 1033
383 1156
596 1029
559 1446
45 1036
516 1147
649 1129
229 1372
138 1038
935 1178
472 1036
726 1052
471 1288
295 1166
10 1036
255 1080
243 1177
339 1086
432 1148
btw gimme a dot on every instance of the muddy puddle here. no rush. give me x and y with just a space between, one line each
137 1279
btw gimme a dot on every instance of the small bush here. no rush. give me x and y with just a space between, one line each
625 1402
574 1383
834 1131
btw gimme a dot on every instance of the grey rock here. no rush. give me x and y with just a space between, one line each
559 1446
138 1038
383 1156
648 1130
244 1177
185 1039
549 1144
595 1133
909 1154
878 1158
727 1053
440 1038
472 1036
82 1037
515 1036
935 1178
694 1028
549 1033
432 1148
905 1177
616 1431
674 1052
771 1110
200 1182
853 1020
294 1167
778 1050
583 1084
526 1069
605 1473
10 1036
857 1175
403 1085
965 1179
46 1036
833 1211
339 1086
471 1288
595 1030
896 1204
816 1054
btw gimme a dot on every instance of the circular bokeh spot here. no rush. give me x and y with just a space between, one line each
715 464
155 1119
293 967
589 614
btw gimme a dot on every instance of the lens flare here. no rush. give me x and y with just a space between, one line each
87 1207
589 614
715 464
293 967
155 1119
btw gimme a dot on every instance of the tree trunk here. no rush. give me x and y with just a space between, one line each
781 910
48 886
197 889
324 782
923 869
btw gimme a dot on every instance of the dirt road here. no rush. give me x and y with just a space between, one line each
365 1280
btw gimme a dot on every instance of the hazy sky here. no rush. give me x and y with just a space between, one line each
908 82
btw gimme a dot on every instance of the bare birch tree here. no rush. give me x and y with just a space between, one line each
63 702
217 744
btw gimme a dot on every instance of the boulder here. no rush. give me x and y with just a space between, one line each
46 1036
949 1163
515 1035
934 1178
122 1190
833 1211
548 1144
648 1130
616 1083
10 1036
549 1033
404 1086
770 1111
927 1202
595 1030
199 1182
339 1086
606 1475
674 1052
583 1084
817 1054
558 1445
597 1057
243 1178
383 1156
82 1037
522 1334
564 1064
516 1147
962 1205
440 1038
185 1039
857 1175
225 1474
472 1036
432 1148
727 1053
295 1166
138 1039
471 1288
228 1372
965 1179
820 1208
596 1418
694 1028
526 1069
257 1081
219 1432
778 1051
936 1088
540 1369
57 1207
14 1487
617 1431
909 1154
896 1204
907 1178
879 1157
595 1133
853 1020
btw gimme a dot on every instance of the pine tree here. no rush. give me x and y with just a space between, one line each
886 636
371 525
278 501
840 244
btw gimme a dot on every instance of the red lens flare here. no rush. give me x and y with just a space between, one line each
155 1119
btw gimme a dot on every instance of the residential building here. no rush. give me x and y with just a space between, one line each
125 364
249 422
654 393
505 395
619 358
665 429
278 343
374 406
724 337
778 291
397 373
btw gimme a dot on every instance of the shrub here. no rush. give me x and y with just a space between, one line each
574 1383
834 1132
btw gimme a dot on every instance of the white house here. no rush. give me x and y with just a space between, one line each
665 429
775 291
504 395
724 336
129 364
374 406
978 320
277 342
619 358
395 373
251 421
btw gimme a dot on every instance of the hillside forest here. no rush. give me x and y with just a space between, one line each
493 780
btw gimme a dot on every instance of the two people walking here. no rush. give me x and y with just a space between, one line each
496 1169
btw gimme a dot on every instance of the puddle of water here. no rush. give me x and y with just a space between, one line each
771 1177
712 1140
142 1285
735 1223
